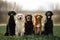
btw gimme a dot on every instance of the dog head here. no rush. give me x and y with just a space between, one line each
38 17
49 14
11 13
28 17
20 17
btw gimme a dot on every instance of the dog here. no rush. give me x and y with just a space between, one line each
10 29
19 29
28 24
38 23
48 25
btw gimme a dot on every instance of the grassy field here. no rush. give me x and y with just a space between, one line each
31 37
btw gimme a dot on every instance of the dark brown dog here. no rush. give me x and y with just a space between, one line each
28 24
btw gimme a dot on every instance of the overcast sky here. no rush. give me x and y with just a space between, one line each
35 4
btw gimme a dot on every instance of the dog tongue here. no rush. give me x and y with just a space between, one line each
48 16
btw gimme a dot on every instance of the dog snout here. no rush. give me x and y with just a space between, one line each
20 18
49 17
28 18
11 14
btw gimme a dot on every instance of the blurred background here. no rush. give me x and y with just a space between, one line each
30 7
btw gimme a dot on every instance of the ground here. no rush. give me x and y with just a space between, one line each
31 37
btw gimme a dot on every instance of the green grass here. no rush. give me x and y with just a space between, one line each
31 37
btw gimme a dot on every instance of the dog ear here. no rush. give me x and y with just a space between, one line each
31 16
11 13
51 13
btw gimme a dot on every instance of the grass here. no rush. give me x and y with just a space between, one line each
31 37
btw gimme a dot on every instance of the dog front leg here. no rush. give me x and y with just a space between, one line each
22 32
16 32
40 29
35 30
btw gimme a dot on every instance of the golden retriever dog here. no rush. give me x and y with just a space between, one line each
38 23
19 30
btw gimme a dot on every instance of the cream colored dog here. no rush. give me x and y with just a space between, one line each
19 19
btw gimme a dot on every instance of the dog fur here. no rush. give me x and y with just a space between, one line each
38 23
48 26
10 29
28 25
19 19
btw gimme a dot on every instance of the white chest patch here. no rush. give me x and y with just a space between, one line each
38 25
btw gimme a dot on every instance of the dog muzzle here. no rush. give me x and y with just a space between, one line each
20 18
48 16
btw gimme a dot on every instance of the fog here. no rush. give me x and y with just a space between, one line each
6 6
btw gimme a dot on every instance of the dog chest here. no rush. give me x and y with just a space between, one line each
38 25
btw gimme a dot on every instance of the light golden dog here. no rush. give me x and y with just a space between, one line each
37 23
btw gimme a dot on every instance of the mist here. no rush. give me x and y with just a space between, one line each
6 6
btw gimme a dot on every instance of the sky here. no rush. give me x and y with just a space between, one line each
35 4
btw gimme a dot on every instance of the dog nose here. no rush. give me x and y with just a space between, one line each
28 18
20 18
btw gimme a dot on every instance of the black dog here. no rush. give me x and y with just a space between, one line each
48 26
10 29
28 25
